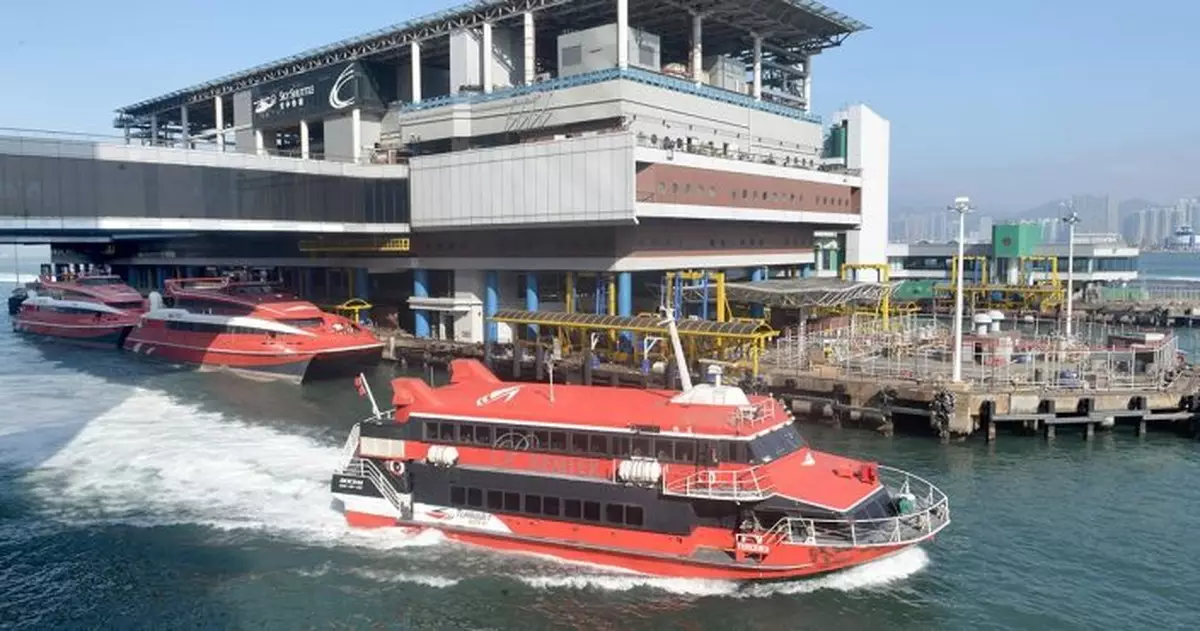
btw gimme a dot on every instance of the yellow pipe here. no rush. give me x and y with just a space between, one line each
570 292
721 300
612 295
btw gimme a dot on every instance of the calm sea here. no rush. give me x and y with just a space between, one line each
135 497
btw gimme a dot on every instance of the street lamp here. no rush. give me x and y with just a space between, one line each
1070 218
962 206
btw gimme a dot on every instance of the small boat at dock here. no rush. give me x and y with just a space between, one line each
93 309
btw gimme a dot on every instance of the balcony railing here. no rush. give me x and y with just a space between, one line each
639 75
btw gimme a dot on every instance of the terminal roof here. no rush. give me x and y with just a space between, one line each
790 28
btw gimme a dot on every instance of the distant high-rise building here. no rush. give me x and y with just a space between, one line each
1113 221
985 227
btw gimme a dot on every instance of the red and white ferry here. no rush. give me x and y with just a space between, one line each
707 483
251 328
91 309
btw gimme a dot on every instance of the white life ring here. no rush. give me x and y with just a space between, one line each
395 467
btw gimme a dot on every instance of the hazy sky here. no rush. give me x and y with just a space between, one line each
1011 102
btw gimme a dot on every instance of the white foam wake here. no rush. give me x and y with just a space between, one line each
151 460
869 575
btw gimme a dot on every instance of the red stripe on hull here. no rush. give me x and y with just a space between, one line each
367 520
99 336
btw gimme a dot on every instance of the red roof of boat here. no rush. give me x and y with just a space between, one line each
261 295
830 481
475 392
103 287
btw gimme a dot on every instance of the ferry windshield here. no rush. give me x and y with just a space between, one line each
776 444
99 280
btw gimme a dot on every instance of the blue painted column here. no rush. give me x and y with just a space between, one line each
531 298
757 274
160 277
362 290
421 290
625 304
601 295
307 285
491 304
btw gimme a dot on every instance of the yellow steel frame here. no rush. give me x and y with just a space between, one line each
1040 295
398 244
983 268
885 301
352 307
698 343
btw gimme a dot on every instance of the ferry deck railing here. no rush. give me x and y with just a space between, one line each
733 485
364 468
350 449
753 415
930 513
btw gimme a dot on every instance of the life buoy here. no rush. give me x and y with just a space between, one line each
395 467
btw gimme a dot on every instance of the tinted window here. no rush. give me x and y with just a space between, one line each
474 497
533 504
776 444
550 506
572 509
591 511
633 515
458 496
495 500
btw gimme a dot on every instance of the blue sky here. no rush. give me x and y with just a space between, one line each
1012 102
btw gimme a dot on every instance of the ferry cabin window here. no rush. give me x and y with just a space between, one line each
302 323
548 506
776 444
458 496
573 509
591 511
474 497
495 500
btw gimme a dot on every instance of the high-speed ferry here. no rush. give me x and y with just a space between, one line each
251 328
706 483
91 309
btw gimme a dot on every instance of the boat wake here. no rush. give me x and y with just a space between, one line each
154 461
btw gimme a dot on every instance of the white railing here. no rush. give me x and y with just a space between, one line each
364 468
752 415
929 514
350 449
735 485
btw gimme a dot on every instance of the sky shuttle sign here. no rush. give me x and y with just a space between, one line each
314 95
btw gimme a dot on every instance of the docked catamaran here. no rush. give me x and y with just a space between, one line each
251 328
707 483
91 309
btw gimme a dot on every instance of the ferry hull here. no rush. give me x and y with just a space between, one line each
94 336
263 365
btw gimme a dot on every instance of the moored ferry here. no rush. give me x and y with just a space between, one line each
252 328
705 483
91 309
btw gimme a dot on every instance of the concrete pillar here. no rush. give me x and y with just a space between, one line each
420 290
219 107
304 140
991 432
1141 427
415 59
531 298
259 147
186 129
308 284
1049 431
808 83
491 304
1089 431
356 133
757 80
485 57
530 50
126 127
622 34
697 48
153 130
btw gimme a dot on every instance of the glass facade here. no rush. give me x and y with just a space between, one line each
39 187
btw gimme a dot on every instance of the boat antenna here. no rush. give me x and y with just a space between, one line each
681 363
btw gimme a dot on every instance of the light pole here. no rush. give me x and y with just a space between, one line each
962 206
1070 218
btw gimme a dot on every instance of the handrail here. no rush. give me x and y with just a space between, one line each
739 485
350 449
364 468
752 415
930 515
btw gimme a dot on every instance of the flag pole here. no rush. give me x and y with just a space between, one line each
366 389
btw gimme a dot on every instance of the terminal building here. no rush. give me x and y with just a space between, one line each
530 154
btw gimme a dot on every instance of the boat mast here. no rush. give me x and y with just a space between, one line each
681 363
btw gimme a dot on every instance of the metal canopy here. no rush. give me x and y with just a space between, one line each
790 29
738 329
800 293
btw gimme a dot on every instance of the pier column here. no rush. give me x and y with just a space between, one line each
304 142
1049 432
757 68
185 128
622 34
697 48
1141 427
356 134
569 291
531 299
415 59
491 304
625 304
991 432
486 56
219 106
421 290
1089 431
529 58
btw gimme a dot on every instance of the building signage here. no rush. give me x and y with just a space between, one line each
314 95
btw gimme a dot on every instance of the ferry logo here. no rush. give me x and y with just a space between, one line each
346 78
265 104
438 514
503 394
